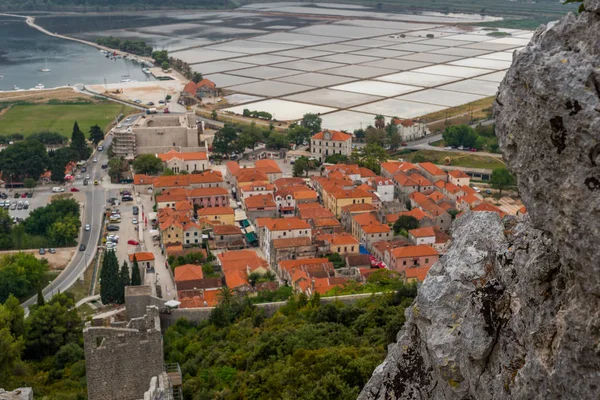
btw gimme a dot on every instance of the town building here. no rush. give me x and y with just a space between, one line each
158 133
327 143
223 215
192 92
384 188
179 162
230 237
422 236
402 258
271 229
260 206
459 178
191 277
411 129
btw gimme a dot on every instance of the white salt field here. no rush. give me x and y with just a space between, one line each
292 58
281 109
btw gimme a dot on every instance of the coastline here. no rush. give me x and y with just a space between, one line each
30 21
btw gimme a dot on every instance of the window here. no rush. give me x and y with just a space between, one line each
404 262
169 236
284 233
187 234
345 249
195 233
352 248
427 261
221 237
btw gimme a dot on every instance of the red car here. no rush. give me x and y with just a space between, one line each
74 189
23 195
473 150
133 242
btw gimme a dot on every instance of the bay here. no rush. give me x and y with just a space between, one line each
25 50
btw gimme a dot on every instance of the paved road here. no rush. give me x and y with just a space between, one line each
91 214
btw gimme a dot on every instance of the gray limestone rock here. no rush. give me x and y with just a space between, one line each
513 310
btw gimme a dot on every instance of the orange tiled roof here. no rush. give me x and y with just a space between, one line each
284 224
283 182
470 199
260 201
365 218
197 298
240 259
468 190
420 179
235 278
206 82
288 265
335 135
339 239
432 168
233 167
267 166
417 213
422 232
436 197
141 179
188 272
382 181
190 87
452 188
227 230
404 180
489 207
366 173
142 256
250 175
257 186
375 227
419 273
163 198
458 174
183 205
421 250
304 195
215 211
324 222
352 208
314 213
171 154
523 210
419 197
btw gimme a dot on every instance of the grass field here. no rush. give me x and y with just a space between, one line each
59 118
456 159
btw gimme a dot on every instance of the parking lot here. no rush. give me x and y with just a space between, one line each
41 197
127 229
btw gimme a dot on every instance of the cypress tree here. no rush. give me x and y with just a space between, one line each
124 280
136 278
78 143
110 281
40 296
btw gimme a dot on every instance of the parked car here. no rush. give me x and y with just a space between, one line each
473 150
85 182
52 251
95 160
82 247
134 221
42 251
58 189
17 195
112 228
20 206
3 195
136 210
87 176
488 191
74 189
23 195
87 227
126 198
83 169
133 242
104 166
25 206
137 101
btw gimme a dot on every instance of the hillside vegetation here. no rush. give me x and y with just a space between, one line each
307 350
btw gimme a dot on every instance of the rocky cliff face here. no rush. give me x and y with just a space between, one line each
513 310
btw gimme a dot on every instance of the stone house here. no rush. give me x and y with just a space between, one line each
178 162
459 178
209 197
422 236
327 143
291 249
190 277
402 258
229 237
222 215
260 206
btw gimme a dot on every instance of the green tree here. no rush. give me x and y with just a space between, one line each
23 159
250 137
165 66
124 280
51 326
60 209
379 121
29 183
337 159
116 167
501 179
375 136
160 56
196 77
168 172
40 296
224 141
214 115
395 141
110 283
19 274
301 167
136 279
460 135
11 347
277 141
67 355
64 232
419 158
298 134
15 316
337 260
147 164
79 143
58 162
6 241
405 222
48 137
96 134
312 122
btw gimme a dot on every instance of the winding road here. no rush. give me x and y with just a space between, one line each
90 214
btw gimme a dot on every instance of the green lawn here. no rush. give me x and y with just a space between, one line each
27 119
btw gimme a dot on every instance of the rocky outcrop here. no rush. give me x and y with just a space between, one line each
513 310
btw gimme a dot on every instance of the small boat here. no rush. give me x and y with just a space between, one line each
146 71
15 87
40 86
46 69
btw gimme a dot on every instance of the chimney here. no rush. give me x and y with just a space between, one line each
312 285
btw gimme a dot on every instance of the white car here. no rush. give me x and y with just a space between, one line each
87 176
78 176
112 238
135 221
476 189
58 189
87 227
95 160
